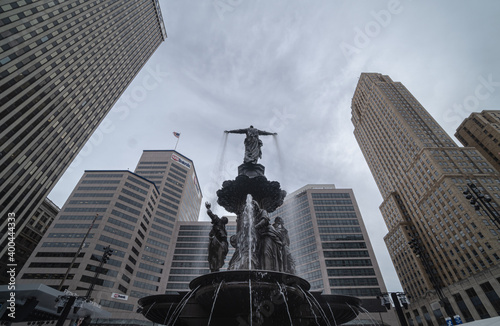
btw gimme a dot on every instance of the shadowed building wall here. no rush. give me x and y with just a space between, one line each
64 64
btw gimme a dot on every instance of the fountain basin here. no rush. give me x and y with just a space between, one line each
250 297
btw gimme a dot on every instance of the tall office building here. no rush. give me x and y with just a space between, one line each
452 265
482 131
331 247
63 66
136 217
32 233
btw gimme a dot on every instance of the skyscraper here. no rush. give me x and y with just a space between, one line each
331 247
63 66
136 218
444 250
482 131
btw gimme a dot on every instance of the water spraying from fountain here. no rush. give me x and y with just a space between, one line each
181 305
215 300
286 303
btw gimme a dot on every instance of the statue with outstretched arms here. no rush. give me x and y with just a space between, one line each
252 142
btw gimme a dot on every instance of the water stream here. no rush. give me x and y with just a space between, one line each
333 316
286 303
321 311
180 306
215 300
250 292
310 306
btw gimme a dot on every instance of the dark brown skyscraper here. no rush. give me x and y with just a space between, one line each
421 173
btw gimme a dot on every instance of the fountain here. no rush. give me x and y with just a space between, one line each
259 287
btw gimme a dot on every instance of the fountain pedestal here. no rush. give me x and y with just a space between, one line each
250 297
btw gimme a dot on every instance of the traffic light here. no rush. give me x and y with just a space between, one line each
415 247
107 252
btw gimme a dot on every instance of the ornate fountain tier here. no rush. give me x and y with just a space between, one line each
250 297
233 194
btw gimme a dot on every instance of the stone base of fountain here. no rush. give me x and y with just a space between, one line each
250 297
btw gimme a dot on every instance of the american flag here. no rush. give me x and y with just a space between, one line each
177 134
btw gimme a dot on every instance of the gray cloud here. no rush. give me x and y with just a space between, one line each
281 67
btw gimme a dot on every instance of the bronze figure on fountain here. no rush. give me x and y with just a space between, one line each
217 245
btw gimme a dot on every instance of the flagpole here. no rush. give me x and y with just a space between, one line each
175 148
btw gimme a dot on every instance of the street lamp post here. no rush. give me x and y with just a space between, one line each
398 298
66 302
418 251
104 259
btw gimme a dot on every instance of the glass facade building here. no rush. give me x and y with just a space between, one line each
64 64
137 217
331 247
441 246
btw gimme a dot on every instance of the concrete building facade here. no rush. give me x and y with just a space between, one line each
452 264
136 217
64 65
482 131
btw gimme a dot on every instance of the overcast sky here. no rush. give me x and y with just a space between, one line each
291 67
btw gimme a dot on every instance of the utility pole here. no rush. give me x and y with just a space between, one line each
77 253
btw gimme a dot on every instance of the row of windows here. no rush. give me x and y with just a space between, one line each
189 271
341 254
343 245
154 260
47 276
120 233
352 229
130 201
113 241
333 208
116 305
87 194
157 243
176 167
74 226
104 175
150 268
63 244
336 215
357 292
140 183
350 272
353 281
120 223
348 262
70 235
59 254
338 222
146 286
341 237
332 202
101 181
124 216
96 188
131 186
330 195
